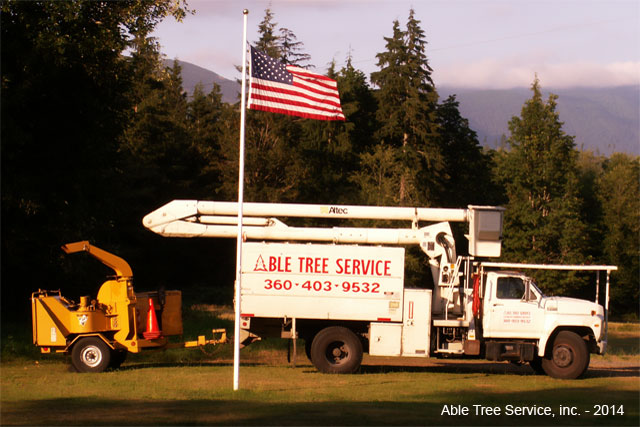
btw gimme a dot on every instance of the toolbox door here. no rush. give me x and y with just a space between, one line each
416 328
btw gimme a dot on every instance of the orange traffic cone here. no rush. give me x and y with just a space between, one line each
153 331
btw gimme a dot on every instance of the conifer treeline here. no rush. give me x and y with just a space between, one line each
94 139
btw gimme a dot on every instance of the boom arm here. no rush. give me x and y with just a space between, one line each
183 209
193 218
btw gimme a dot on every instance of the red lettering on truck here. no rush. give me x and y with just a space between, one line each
317 265
363 267
280 264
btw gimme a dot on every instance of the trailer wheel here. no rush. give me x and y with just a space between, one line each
90 354
336 350
568 358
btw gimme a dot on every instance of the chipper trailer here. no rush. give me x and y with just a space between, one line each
99 333
343 290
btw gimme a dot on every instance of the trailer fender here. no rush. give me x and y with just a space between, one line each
108 342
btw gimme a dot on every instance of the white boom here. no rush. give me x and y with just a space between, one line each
193 218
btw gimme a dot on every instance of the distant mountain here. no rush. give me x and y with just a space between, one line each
604 120
193 74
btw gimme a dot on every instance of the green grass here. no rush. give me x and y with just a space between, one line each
624 339
48 394
190 387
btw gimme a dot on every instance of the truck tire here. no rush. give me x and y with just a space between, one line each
568 358
336 350
90 354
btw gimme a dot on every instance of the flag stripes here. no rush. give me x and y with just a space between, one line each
292 90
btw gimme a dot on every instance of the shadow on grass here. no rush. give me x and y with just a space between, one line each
445 367
150 365
623 371
247 408
480 367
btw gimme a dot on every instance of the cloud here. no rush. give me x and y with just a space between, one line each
501 74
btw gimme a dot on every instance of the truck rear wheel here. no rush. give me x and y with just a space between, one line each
336 350
568 358
90 354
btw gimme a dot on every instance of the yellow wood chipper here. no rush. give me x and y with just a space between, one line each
99 333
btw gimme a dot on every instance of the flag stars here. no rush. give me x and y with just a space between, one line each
266 68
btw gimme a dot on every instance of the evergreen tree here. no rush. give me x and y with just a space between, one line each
162 159
619 193
268 42
467 174
590 171
331 149
291 49
66 99
543 221
407 106
378 176
206 115
359 106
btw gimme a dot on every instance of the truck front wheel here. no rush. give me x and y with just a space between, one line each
336 350
90 354
568 358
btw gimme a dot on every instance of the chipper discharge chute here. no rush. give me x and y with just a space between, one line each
98 333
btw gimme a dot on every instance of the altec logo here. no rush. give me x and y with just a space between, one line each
334 210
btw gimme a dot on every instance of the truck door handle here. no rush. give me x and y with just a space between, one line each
497 305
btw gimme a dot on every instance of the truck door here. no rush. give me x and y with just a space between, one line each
509 312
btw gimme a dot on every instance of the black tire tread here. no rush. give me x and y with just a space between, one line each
76 351
330 335
580 352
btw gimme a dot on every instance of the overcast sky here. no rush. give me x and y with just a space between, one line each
482 43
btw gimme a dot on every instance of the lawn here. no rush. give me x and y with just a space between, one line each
188 387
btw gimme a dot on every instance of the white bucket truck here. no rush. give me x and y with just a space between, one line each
343 290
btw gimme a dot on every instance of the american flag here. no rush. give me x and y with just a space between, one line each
292 90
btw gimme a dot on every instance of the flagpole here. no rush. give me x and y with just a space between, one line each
236 336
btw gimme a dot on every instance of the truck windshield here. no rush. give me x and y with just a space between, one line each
534 292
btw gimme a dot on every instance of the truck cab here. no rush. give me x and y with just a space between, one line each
554 334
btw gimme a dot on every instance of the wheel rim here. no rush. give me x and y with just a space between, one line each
337 353
563 356
91 356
